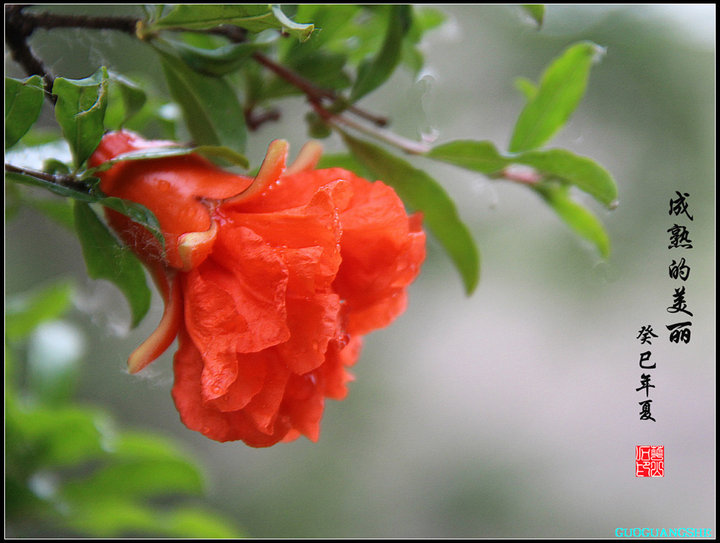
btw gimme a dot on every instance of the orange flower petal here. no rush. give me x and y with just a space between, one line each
202 416
312 323
237 310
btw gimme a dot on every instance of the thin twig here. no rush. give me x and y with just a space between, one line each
20 25
409 146
66 181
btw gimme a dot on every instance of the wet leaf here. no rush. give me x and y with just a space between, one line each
211 110
80 112
581 220
23 104
107 259
560 90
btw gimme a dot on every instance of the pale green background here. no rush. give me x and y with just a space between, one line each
511 413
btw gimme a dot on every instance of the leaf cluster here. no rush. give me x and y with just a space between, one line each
228 66
67 464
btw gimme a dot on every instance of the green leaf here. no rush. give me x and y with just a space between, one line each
478 156
374 72
579 171
23 104
210 107
483 157
54 437
107 259
108 516
145 446
219 61
80 112
561 88
527 87
254 18
421 192
324 69
194 522
209 151
24 312
423 20
133 97
136 479
558 169
536 11
135 211
582 221
58 209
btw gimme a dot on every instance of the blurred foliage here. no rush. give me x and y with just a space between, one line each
68 465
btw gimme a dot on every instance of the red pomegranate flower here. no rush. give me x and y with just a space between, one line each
269 282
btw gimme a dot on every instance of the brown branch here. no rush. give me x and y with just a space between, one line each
409 146
66 181
17 31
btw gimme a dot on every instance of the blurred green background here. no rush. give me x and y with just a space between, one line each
512 413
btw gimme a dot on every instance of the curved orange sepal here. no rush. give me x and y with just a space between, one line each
165 333
195 247
307 158
270 171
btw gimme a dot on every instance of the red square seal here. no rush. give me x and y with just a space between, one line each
649 461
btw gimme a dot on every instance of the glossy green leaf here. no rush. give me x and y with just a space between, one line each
582 221
80 112
582 172
330 22
107 259
212 112
374 72
560 90
478 156
254 18
23 104
422 193
24 312
208 151
536 11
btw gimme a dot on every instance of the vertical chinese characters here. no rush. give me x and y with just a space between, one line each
645 336
679 238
